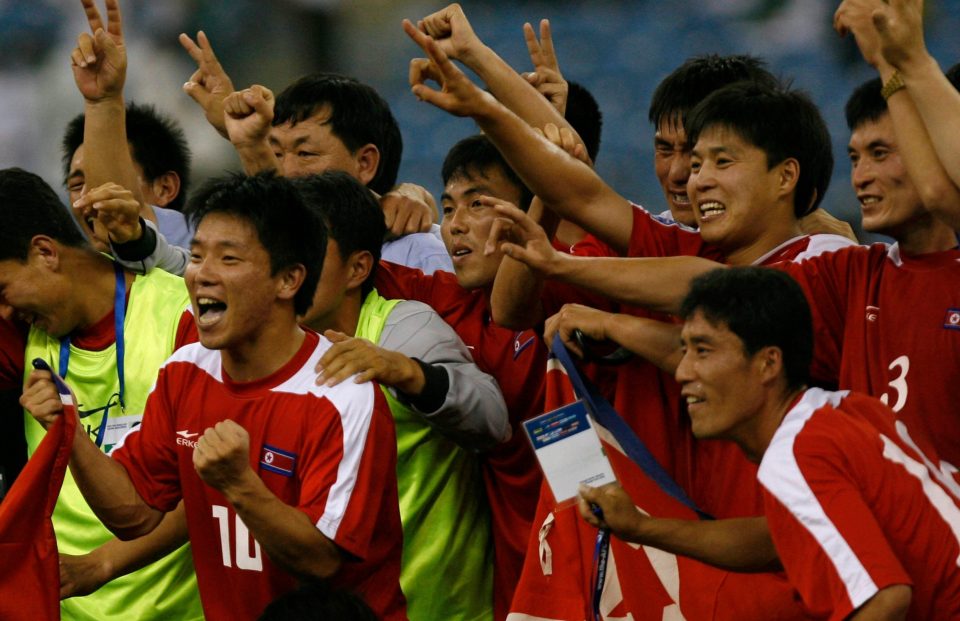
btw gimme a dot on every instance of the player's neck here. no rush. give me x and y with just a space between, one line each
93 279
344 318
757 438
778 231
924 235
265 352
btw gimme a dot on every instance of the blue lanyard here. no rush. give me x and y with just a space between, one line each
600 553
119 314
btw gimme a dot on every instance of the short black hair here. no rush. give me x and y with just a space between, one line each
583 113
352 215
30 207
317 602
867 105
290 232
763 307
690 83
157 144
782 122
358 116
475 154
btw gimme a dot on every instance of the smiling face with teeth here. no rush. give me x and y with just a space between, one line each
723 386
232 290
466 223
741 204
671 163
888 198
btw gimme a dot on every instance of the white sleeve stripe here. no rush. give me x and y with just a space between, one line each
780 474
356 408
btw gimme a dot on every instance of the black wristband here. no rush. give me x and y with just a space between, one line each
137 249
435 387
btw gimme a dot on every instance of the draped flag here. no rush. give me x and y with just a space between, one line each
29 562
641 583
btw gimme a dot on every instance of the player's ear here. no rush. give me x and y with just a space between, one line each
789 175
367 158
769 363
289 280
45 251
361 264
165 188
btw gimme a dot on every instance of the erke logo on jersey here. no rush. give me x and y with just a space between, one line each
952 320
873 312
277 460
185 438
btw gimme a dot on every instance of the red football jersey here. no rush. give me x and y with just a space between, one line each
853 508
888 325
330 452
517 361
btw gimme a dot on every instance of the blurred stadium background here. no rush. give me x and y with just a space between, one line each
619 50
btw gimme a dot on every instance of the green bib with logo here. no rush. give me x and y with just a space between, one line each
166 589
447 570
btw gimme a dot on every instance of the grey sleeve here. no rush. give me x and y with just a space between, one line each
150 251
473 413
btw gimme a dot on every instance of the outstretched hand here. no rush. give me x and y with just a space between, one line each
856 17
457 94
99 61
546 76
209 85
528 243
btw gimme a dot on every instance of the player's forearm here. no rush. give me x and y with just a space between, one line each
741 544
257 158
473 413
938 192
108 490
151 250
567 185
889 604
118 558
657 284
938 104
655 341
515 301
285 532
106 152
509 87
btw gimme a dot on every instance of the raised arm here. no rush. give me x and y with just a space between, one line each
99 65
938 192
247 115
658 284
900 25
583 197
209 85
740 544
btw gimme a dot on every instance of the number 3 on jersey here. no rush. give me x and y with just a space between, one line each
244 559
899 384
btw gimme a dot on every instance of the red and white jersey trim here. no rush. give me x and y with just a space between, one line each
781 476
353 402
815 245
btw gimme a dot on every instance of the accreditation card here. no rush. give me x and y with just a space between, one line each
569 451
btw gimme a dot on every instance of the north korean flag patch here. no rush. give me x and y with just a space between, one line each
952 320
277 460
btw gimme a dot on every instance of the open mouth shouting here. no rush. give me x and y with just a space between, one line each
209 311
